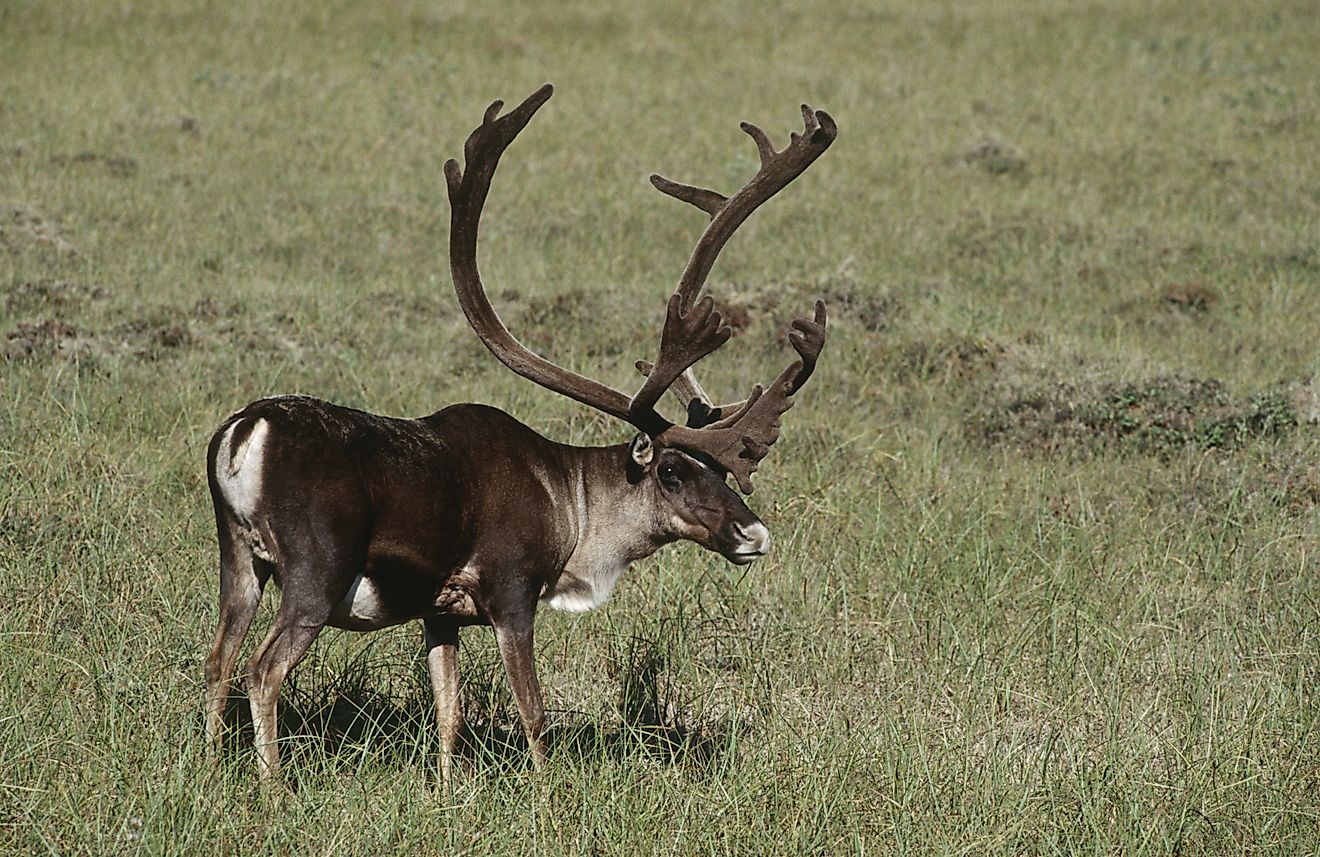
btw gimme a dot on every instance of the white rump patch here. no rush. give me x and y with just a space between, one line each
240 474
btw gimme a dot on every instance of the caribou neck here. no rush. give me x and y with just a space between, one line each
614 523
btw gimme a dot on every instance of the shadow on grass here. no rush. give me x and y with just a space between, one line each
349 718
703 748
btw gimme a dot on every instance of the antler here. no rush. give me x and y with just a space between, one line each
740 440
728 213
688 335
737 442
467 195
777 169
808 338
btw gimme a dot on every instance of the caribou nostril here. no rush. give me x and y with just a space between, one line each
755 538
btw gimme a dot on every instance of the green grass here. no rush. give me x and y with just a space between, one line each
1045 577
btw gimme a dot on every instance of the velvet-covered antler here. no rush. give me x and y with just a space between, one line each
737 438
777 169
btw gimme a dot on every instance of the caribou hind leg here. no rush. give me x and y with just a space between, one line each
297 624
311 583
242 578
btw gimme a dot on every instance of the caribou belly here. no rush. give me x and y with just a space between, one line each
362 609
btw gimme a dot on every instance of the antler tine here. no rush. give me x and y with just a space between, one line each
739 441
807 338
763 144
810 123
707 200
778 169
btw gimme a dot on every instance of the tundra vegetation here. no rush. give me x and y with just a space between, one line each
1045 571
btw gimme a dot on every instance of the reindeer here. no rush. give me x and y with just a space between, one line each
467 516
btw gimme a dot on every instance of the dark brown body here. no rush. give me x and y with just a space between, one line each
463 517
412 504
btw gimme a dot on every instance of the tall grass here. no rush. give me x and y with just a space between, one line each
1041 582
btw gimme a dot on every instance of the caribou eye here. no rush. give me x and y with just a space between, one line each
669 475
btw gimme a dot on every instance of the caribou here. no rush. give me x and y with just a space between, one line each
469 517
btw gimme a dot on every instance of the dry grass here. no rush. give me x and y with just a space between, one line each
1045 571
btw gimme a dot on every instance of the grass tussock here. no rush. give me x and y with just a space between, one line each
1159 416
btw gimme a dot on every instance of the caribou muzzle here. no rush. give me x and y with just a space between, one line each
745 543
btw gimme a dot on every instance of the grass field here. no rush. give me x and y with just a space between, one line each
1046 576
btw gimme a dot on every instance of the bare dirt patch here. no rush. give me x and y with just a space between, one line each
874 310
735 314
848 301
996 157
39 340
31 296
50 338
163 331
601 321
1189 297
152 339
22 228
154 333
113 165
554 309
948 357
214 309
1177 302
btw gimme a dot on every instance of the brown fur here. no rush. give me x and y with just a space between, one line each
460 518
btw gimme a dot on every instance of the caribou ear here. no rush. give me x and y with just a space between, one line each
640 453
642 449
